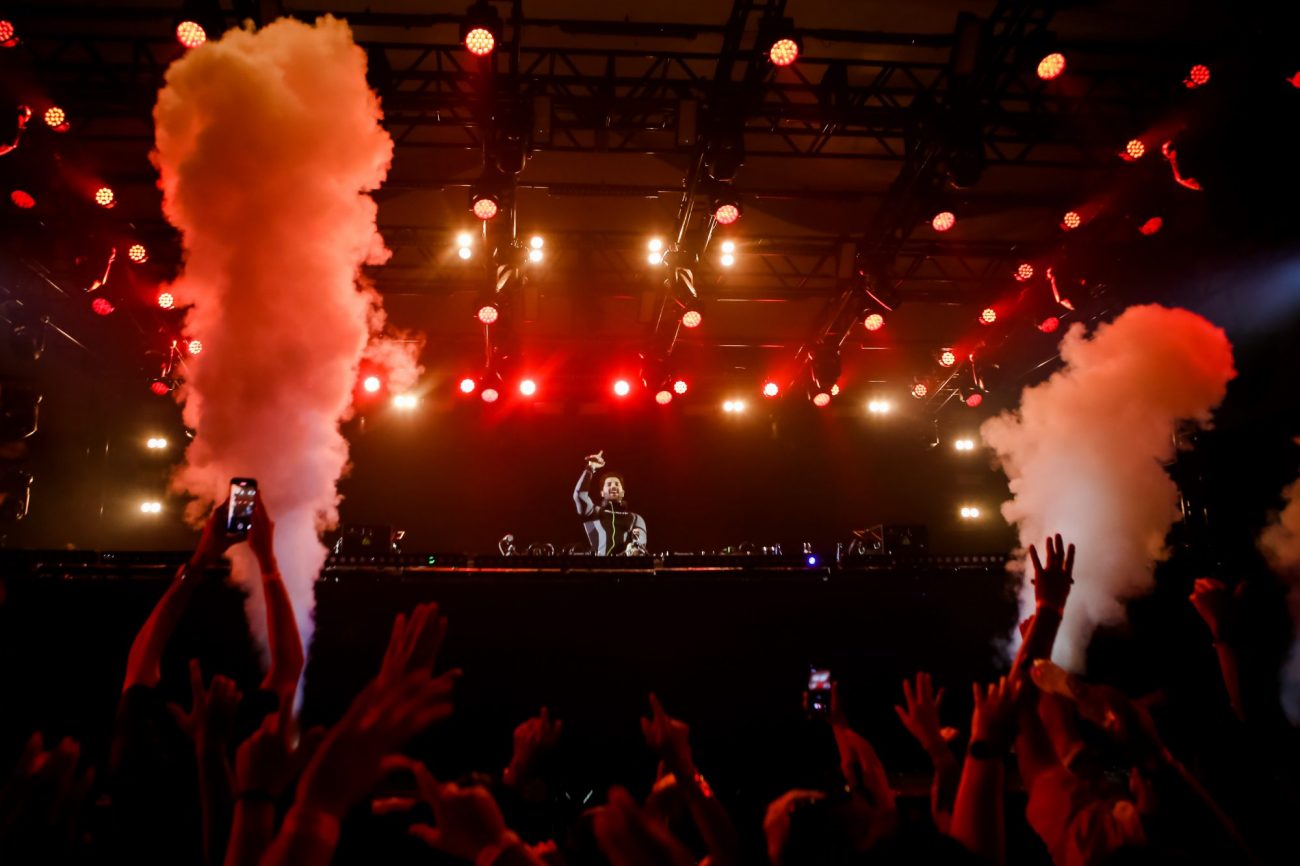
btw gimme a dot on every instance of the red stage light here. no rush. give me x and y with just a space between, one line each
102 306
919 390
943 221
622 388
479 41
55 117
1051 66
6 33
467 385
528 387
692 319
874 322
835 390
784 52
771 389
1071 220
1024 272
1049 325
947 358
372 384
104 197
138 254
488 313
680 386
664 397
1198 76
160 387
974 399
1151 226
191 34
23 199
485 209
195 347
989 316
726 214
1135 149
489 395
821 399
166 300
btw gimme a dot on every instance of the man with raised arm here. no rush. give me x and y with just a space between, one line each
612 529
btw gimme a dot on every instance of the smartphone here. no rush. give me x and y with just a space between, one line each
239 514
819 691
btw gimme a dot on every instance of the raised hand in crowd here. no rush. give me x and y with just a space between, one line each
210 725
468 824
1052 582
864 774
534 739
42 803
920 715
628 836
978 817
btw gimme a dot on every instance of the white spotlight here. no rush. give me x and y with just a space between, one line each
879 407
964 444
970 512
536 242
405 401
728 260
728 246
464 252
150 507
728 406
464 239
655 245
535 254
157 443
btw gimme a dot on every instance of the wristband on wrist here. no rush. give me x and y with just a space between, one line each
1044 606
489 854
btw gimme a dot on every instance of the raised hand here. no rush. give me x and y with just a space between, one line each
261 537
630 837
210 722
414 643
597 460
921 716
994 719
467 821
269 760
671 739
1052 581
214 540
533 739
1215 603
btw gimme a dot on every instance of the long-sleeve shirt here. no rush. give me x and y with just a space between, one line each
609 526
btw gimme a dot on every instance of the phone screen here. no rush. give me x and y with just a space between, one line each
239 517
819 690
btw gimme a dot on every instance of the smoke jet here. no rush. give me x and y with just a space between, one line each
1280 543
1084 454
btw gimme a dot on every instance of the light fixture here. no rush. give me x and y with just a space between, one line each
1024 272
162 386
692 318
988 316
104 197
874 322
783 43
821 400
943 221
55 117
22 199
7 33
947 358
1071 220
191 34
1049 325
488 313
1051 66
663 397
485 206
464 252
727 260
919 390
536 242
726 210
405 401
490 394
156 443
480 30
771 389
528 387
879 407
969 512
138 254
166 300
622 388
680 387
467 385
535 255
150 507
964 444
1198 76
1151 226
1135 149
371 384
102 307
194 347
783 52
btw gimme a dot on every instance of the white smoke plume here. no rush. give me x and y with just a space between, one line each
1083 455
1280 542
267 145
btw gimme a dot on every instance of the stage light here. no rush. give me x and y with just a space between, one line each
1051 66
55 117
835 390
485 207
467 385
480 30
1024 272
726 211
151 507
664 397
464 252
1135 149
7 34
371 384
166 300
771 389
191 34
964 444
811 560
138 254
1049 325
534 256
728 406
1198 76
464 239
156 443
680 387
161 387
23 199
489 395
969 512
622 388
728 246
943 221
405 401
821 400
1151 226
655 258
480 41
919 390
488 313
783 52
880 407
974 399
194 346
727 260
655 245
104 197
1071 220
989 316
738 406
692 319
874 322
102 306
528 387
947 358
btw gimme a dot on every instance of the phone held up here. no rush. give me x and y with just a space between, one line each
819 692
239 514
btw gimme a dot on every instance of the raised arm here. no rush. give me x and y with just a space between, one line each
921 718
281 627
1051 589
581 498
979 815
